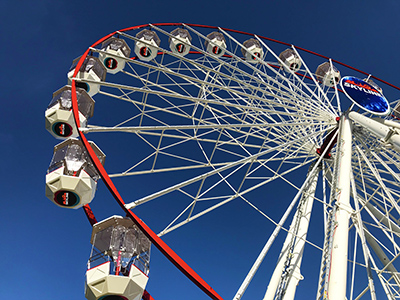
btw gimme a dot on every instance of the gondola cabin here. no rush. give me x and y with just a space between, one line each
59 116
90 74
252 51
146 46
71 178
180 42
215 44
290 60
327 74
116 51
118 266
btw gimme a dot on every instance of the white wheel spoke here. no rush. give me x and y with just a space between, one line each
186 133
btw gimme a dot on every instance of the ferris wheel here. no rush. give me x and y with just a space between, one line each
202 117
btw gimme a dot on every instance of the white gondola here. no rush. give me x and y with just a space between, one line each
215 44
117 51
252 51
118 266
71 178
373 83
59 117
396 111
291 61
91 73
181 43
147 45
328 75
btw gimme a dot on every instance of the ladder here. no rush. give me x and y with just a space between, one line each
326 254
288 267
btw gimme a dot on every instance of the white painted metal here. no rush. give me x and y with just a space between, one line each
382 256
100 283
197 127
146 45
338 267
55 115
389 123
120 241
180 43
215 44
116 55
91 77
246 125
382 218
243 287
326 252
297 236
252 51
198 178
383 131
82 185
360 232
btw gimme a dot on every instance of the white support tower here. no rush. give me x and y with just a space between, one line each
336 280
287 274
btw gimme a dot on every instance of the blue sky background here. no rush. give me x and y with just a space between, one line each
44 248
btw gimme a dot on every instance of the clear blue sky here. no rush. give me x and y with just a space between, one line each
44 248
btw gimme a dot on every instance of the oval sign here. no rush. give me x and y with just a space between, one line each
66 198
62 129
365 95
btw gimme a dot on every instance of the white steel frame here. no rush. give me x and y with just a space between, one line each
249 125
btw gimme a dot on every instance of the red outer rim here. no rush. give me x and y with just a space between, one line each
89 214
158 242
147 296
